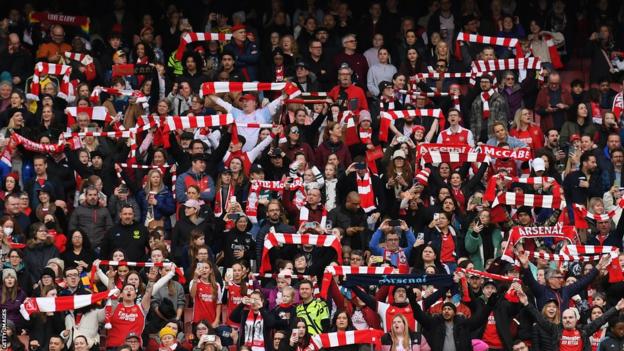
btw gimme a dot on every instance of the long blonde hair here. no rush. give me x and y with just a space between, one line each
148 184
406 337
516 121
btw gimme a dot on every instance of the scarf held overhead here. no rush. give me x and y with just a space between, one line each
66 89
346 338
331 271
62 303
482 39
437 280
518 233
273 239
210 88
390 116
191 37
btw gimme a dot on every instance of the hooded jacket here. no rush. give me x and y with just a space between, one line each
95 221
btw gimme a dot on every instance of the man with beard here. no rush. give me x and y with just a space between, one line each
274 219
612 176
580 186
351 218
91 219
129 235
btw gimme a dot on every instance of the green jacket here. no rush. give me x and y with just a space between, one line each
474 246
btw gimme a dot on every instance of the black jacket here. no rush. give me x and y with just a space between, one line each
240 314
131 238
548 335
434 327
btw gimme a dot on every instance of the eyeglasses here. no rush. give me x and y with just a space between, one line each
557 277
316 47
351 41
440 66
72 275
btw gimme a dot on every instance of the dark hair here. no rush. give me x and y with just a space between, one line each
196 57
586 155
576 82
306 281
86 243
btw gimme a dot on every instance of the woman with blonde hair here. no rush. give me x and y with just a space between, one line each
524 129
156 201
400 338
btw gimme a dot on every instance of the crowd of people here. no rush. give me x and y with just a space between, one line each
412 176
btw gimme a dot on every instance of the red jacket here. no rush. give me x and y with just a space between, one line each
353 92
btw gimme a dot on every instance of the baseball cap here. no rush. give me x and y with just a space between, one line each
237 27
538 164
192 203
248 97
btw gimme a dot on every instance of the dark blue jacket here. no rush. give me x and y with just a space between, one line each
543 293
247 58
164 208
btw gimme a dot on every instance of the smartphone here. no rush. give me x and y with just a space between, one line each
436 216
353 104
395 223
211 338
421 236
295 333
376 259
233 200
478 200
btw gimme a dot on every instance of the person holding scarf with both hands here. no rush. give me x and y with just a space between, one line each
392 254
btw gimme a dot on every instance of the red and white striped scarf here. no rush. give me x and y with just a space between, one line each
162 169
482 39
490 190
351 133
85 60
251 210
254 331
343 271
388 117
188 38
531 200
438 75
62 303
130 134
140 97
186 122
66 89
517 233
587 253
304 216
312 97
37 147
345 338
365 189
273 239
422 177
7 155
555 58
178 270
618 105
386 103
96 113
485 99
582 211
218 205
210 88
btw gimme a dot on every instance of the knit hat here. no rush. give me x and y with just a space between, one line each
58 262
49 272
451 305
167 331
9 272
